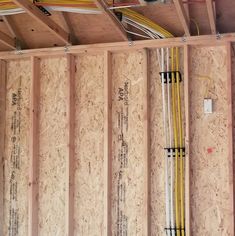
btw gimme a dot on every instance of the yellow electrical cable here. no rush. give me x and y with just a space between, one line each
145 21
180 145
175 130
197 26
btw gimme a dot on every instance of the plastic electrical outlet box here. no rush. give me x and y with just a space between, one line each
208 106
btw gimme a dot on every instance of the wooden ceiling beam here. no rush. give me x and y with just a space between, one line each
7 40
211 15
102 5
34 12
68 26
182 16
12 27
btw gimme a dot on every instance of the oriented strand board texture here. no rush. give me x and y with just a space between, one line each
209 153
89 176
53 147
156 150
16 148
128 145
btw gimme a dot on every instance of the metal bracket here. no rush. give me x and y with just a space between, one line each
218 36
18 44
130 41
183 39
66 48
18 52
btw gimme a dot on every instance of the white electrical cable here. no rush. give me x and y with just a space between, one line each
168 233
11 12
74 10
134 24
143 36
157 34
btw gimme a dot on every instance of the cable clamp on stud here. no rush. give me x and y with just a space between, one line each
171 152
175 229
167 75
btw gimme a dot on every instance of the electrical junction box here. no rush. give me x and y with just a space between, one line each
207 105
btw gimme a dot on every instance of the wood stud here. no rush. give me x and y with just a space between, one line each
230 135
107 143
187 139
69 198
2 137
146 107
34 148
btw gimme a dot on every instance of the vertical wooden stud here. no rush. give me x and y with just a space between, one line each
187 139
146 111
107 143
230 134
2 137
69 199
34 148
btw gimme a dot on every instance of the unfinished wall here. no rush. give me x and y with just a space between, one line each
16 159
209 148
89 193
210 188
52 146
128 144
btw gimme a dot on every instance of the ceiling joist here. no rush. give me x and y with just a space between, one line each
113 19
211 15
7 40
182 16
12 27
68 26
34 12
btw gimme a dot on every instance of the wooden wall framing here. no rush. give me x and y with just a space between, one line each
101 60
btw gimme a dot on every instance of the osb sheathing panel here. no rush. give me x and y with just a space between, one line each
52 146
16 159
89 153
209 184
209 163
128 144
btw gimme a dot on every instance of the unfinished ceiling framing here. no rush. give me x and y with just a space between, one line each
35 29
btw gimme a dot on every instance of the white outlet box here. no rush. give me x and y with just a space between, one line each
207 105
